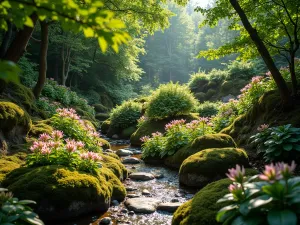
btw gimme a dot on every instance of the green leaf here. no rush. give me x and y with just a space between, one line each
288 147
25 202
28 22
284 217
247 206
246 221
103 44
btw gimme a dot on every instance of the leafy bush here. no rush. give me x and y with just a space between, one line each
228 112
152 146
170 100
208 109
241 70
271 199
29 69
74 127
125 115
47 106
53 150
13 211
217 75
277 143
197 80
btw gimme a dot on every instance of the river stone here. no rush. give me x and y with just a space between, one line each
131 189
146 192
105 221
169 206
123 152
141 176
115 136
142 205
130 160
132 196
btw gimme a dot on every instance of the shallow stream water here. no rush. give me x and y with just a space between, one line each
166 189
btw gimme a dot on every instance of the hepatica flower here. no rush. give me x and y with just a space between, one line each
236 174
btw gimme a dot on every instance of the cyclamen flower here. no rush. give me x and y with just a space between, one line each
145 139
286 170
44 137
263 127
57 134
236 174
271 173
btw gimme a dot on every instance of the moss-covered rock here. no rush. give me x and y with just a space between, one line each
151 126
203 207
105 126
126 133
115 165
106 144
102 116
199 144
40 127
99 108
8 164
63 193
210 165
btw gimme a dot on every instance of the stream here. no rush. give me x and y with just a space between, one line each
166 188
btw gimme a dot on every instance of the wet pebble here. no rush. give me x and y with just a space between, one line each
146 192
115 203
133 196
124 211
131 189
140 176
131 160
105 221
123 152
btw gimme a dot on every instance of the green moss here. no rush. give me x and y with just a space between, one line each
199 144
210 164
12 115
210 93
102 116
112 155
99 108
203 207
115 166
126 133
40 127
106 144
105 126
8 164
60 186
151 126
20 94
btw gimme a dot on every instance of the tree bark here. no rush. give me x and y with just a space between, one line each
19 44
6 39
43 60
280 82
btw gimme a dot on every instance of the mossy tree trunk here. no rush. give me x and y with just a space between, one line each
265 54
43 60
19 44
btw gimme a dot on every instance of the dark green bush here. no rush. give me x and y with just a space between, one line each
208 109
170 100
125 115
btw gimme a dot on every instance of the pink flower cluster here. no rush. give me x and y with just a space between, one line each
257 79
73 146
145 139
174 123
92 156
254 80
263 127
157 134
278 171
68 112
236 174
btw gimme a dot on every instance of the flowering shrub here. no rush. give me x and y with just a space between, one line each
228 112
277 142
126 115
178 134
170 100
74 127
13 211
270 198
54 150
152 146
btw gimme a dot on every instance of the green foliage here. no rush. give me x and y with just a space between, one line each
15 211
261 201
208 109
153 146
277 143
9 70
29 72
241 70
125 115
170 100
73 127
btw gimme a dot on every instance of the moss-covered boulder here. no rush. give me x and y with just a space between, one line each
105 126
102 116
113 163
126 133
8 164
63 193
40 127
151 126
106 144
199 144
209 165
203 207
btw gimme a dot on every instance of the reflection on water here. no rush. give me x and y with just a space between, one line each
166 189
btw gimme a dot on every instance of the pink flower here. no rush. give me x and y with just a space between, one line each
92 156
269 74
156 134
263 127
234 187
94 134
68 113
271 173
257 79
57 135
145 139
174 123
236 174
44 137
45 151
286 170
71 146
79 144
37 146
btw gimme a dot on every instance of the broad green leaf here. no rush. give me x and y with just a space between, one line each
246 221
247 206
284 217
28 22
288 147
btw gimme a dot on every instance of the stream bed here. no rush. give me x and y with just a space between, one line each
165 188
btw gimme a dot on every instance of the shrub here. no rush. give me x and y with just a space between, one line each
197 80
270 199
208 109
277 143
53 150
152 146
125 115
13 211
241 70
74 127
47 106
170 100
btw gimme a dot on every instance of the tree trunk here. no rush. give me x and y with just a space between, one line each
293 75
280 82
19 44
6 39
43 60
